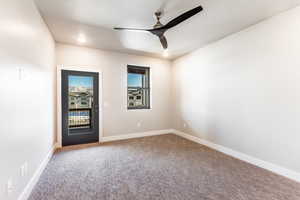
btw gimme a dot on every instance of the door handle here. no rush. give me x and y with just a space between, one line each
96 108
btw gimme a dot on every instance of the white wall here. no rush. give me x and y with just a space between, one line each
243 92
27 109
117 120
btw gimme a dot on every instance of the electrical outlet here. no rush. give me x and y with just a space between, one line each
139 124
184 125
9 186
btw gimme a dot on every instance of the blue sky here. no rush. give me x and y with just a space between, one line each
134 80
85 81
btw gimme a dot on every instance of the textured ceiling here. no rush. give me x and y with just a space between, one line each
95 19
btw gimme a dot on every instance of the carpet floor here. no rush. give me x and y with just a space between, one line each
164 167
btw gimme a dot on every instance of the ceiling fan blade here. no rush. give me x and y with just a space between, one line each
183 17
163 41
130 29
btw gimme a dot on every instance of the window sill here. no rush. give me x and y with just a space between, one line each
138 108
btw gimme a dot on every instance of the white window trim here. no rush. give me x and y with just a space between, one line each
126 87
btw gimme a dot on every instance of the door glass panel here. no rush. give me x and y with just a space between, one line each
80 99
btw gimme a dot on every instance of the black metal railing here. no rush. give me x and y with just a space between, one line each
80 118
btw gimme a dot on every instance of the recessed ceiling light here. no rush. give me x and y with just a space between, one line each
166 53
81 39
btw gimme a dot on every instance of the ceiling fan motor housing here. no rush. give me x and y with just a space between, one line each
158 16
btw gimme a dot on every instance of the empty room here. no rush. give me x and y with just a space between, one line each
150 100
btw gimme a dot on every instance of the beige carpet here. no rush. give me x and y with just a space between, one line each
161 167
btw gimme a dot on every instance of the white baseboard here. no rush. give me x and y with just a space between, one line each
244 157
34 179
241 156
135 135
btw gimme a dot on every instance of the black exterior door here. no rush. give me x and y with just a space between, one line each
80 107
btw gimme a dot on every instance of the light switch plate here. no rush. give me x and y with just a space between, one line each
24 169
20 73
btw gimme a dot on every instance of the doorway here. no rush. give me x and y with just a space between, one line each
80 107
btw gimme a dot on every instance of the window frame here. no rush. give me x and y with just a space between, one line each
143 88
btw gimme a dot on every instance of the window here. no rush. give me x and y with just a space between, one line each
138 89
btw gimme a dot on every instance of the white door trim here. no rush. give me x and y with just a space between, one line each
58 100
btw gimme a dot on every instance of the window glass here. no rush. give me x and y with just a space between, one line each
138 90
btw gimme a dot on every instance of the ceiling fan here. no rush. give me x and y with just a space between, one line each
159 29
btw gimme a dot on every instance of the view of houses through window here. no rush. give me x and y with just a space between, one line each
138 91
80 101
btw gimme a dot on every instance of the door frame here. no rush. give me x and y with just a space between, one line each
59 104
